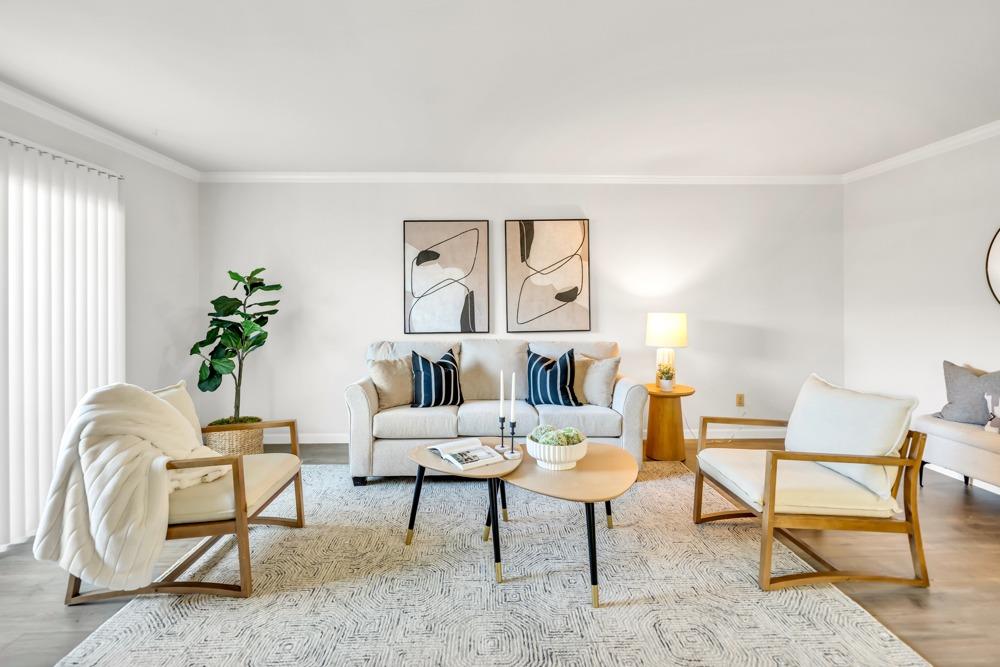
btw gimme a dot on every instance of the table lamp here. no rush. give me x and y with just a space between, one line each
666 331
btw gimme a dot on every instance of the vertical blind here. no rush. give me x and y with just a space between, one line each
62 243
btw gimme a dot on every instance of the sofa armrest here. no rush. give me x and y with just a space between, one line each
629 400
362 405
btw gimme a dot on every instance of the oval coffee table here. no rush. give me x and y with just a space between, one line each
605 473
424 458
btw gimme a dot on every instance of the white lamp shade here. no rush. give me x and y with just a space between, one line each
666 329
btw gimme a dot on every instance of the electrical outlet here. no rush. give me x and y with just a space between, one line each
740 400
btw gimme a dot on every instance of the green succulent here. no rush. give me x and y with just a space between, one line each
546 434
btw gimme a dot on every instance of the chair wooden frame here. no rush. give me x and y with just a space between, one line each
907 463
213 531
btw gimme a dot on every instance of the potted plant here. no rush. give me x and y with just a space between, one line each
665 376
235 329
556 448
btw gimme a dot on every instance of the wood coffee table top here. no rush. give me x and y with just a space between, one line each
428 459
605 473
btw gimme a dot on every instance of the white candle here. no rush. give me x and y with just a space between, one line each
501 394
513 377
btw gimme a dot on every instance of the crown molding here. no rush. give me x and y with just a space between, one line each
975 135
38 107
504 177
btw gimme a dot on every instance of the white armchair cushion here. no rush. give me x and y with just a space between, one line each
481 418
263 475
832 420
177 395
591 420
407 422
803 487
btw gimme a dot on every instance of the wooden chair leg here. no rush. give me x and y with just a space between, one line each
916 540
699 487
766 548
300 508
72 588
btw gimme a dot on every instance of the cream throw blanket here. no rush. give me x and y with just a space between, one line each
105 520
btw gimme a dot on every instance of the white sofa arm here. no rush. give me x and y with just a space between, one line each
362 404
629 400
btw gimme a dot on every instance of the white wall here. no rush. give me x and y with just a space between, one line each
161 217
758 269
914 279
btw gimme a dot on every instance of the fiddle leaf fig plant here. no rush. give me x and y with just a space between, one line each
235 329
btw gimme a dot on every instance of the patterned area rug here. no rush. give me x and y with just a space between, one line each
345 590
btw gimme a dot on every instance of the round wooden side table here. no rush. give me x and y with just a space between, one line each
665 436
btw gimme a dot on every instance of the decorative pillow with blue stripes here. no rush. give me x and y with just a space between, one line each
550 381
435 383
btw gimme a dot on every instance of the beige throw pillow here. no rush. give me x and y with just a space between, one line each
595 379
393 379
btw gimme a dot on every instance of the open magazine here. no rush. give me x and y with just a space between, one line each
467 453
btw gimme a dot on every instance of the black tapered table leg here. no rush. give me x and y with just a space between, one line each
486 526
503 500
588 509
607 510
495 525
416 501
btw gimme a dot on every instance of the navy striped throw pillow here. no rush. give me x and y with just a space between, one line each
550 381
435 383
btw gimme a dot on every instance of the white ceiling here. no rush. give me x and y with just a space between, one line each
679 87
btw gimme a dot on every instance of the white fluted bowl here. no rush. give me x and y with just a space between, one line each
556 457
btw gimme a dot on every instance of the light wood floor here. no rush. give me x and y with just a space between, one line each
952 623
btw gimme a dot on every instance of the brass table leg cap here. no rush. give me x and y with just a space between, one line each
486 534
499 567
409 535
505 514
595 597
611 524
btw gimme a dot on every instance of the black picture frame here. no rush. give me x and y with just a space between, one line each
489 286
507 250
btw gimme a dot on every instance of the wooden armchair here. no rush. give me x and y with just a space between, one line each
226 506
859 512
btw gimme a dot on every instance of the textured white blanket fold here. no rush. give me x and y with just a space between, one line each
105 520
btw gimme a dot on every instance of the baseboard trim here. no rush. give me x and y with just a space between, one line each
281 438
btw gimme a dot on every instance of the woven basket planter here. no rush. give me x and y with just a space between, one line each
236 442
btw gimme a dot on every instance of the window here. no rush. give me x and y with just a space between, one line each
61 313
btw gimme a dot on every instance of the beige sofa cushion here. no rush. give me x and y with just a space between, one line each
263 475
597 349
833 420
393 380
594 380
398 349
591 420
407 422
482 361
481 418
803 487
972 435
177 395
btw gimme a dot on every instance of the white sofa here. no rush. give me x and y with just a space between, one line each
380 440
967 449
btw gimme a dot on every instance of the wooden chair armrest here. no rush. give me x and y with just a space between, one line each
239 485
290 424
819 457
181 464
740 421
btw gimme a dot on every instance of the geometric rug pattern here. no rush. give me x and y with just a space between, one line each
345 589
